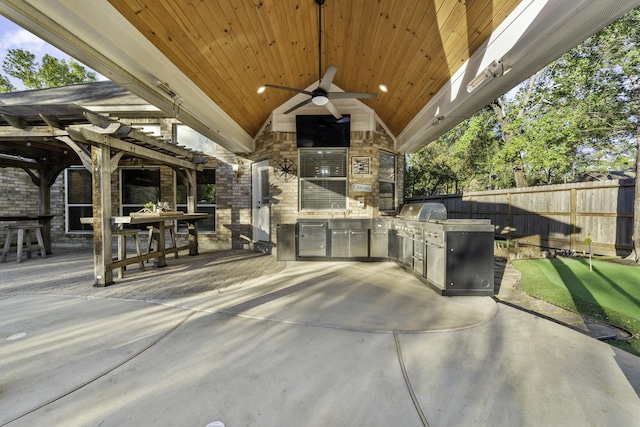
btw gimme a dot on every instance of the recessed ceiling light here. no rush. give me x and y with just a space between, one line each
261 89
383 88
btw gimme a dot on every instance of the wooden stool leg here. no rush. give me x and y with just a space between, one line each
27 242
7 245
173 240
43 251
20 244
136 239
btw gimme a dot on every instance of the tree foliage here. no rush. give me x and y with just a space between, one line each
577 115
5 85
50 72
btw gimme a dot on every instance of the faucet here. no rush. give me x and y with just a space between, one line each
337 205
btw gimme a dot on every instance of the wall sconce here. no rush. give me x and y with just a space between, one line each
235 167
495 69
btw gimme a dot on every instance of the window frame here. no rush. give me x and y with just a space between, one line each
304 179
86 228
123 205
180 226
394 182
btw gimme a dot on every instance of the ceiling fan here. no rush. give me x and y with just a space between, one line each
321 96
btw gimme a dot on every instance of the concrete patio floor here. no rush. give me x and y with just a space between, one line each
244 339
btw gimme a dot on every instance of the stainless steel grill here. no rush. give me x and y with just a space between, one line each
453 255
410 227
422 212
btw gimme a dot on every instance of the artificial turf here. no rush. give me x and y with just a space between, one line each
611 292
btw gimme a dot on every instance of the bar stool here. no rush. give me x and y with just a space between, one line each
122 247
150 241
23 241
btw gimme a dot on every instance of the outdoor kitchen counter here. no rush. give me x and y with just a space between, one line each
349 238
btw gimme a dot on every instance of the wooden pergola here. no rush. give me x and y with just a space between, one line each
43 140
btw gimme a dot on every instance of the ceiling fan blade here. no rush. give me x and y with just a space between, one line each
302 104
327 79
333 110
343 95
292 89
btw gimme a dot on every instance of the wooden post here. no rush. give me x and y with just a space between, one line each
44 207
192 194
192 190
573 215
101 183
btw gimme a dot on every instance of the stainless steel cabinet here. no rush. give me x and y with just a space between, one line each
312 239
349 243
339 243
379 246
358 243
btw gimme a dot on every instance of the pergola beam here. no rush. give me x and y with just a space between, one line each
31 133
90 134
15 121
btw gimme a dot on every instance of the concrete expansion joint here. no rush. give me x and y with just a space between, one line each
105 372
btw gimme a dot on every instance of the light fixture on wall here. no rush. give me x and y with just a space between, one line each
437 121
495 69
177 99
235 167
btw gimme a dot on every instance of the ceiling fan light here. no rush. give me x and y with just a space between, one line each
383 88
320 100
261 89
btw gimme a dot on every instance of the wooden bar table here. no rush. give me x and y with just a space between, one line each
158 220
43 220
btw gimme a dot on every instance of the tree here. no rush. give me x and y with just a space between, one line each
608 81
5 85
51 72
579 114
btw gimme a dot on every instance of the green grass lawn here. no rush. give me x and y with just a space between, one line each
611 292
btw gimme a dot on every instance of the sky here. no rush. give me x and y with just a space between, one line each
13 36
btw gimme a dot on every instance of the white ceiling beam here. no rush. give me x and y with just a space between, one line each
536 33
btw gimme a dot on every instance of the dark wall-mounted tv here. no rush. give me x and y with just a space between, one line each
323 131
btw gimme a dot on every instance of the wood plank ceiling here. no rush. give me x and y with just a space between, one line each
230 48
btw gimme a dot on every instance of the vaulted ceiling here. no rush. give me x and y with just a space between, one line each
211 56
229 49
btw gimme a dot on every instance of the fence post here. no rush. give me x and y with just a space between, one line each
573 219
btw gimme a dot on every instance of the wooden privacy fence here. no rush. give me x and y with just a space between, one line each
554 216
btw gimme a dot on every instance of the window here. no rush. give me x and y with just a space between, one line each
78 200
323 179
206 202
387 181
139 186
184 135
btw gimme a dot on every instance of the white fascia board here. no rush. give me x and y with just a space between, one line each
536 33
94 33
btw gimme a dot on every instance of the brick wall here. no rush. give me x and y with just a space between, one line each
18 195
278 146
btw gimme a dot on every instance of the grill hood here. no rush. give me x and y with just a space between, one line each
423 212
